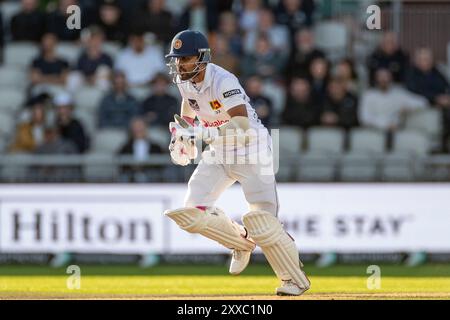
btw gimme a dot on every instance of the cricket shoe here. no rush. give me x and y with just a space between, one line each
239 261
290 288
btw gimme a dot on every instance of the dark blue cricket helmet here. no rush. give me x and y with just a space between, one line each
188 43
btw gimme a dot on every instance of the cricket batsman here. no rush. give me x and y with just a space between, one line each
229 125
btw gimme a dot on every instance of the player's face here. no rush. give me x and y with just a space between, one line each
186 67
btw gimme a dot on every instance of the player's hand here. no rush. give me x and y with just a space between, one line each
193 134
187 133
178 152
182 145
181 128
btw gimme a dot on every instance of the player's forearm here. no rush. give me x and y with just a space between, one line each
237 124
236 127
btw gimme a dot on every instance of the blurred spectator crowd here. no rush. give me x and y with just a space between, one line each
73 91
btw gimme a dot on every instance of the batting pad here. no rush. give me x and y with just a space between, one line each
213 224
278 247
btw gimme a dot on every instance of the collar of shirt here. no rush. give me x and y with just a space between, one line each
206 81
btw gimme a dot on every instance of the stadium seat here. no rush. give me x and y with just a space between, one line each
88 120
332 37
285 173
367 140
277 95
397 167
108 141
358 166
3 144
444 69
287 145
428 121
13 77
88 99
11 100
140 94
411 141
325 139
68 51
363 76
9 9
7 124
99 167
316 166
363 44
160 136
112 48
20 54
286 167
290 140
51 89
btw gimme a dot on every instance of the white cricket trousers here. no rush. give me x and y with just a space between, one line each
210 180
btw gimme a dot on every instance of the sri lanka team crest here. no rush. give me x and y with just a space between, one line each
215 105
177 44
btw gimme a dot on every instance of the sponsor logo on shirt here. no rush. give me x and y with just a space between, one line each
194 105
216 123
215 105
231 93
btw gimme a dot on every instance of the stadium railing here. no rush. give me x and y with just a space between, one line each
322 167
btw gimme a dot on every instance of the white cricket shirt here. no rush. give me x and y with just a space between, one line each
219 92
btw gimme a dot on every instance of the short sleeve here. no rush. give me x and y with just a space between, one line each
230 93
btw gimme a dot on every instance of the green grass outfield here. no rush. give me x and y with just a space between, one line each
213 282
